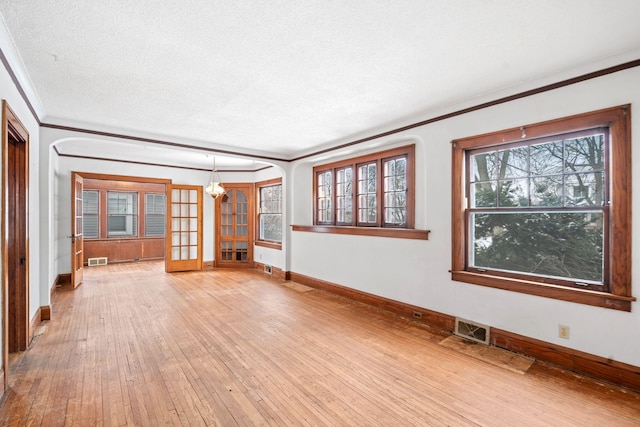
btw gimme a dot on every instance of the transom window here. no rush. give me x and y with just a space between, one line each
383 196
547 206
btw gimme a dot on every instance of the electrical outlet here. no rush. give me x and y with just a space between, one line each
563 331
417 315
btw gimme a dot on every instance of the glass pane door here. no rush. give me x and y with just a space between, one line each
234 227
184 228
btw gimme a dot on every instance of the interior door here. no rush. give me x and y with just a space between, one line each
184 228
234 226
77 242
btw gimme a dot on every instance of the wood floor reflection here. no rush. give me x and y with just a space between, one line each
136 346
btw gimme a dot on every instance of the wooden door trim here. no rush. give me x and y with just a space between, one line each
11 124
108 177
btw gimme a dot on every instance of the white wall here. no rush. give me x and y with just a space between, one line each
416 272
9 93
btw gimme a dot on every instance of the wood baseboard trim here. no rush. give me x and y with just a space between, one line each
45 313
428 317
576 361
62 279
209 265
276 273
582 363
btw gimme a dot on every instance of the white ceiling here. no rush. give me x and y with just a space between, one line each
284 78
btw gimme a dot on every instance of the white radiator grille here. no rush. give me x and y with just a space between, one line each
472 331
92 262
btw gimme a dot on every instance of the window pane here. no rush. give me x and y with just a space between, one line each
585 154
585 189
546 159
271 227
367 194
395 192
269 215
90 222
566 245
546 191
122 210
154 222
323 202
513 163
484 167
483 195
344 195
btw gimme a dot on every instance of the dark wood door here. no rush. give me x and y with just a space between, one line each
17 253
77 241
234 226
15 141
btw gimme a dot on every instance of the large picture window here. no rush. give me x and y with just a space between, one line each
369 191
545 209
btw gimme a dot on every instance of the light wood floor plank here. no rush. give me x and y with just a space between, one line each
134 346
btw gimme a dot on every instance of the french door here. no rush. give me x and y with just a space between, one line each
184 228
234 226
77 240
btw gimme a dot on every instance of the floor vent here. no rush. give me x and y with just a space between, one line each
472 331
97 261
267 269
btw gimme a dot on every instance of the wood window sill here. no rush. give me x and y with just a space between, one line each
581 296
271 245
398 233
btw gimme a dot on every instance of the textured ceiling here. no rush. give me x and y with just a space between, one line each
284 78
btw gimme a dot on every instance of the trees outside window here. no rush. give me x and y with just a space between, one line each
545 209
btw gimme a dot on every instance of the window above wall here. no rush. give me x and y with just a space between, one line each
369 191
269 221
545 209
371 195
114 209
122 214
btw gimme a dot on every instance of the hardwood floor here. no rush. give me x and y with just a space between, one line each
136 346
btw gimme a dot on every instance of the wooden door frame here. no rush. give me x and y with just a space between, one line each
11 123
109 177
249 187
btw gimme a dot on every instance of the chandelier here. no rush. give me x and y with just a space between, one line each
214 187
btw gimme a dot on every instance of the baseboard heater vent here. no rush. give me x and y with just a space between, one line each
97 261
267 269
472 331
